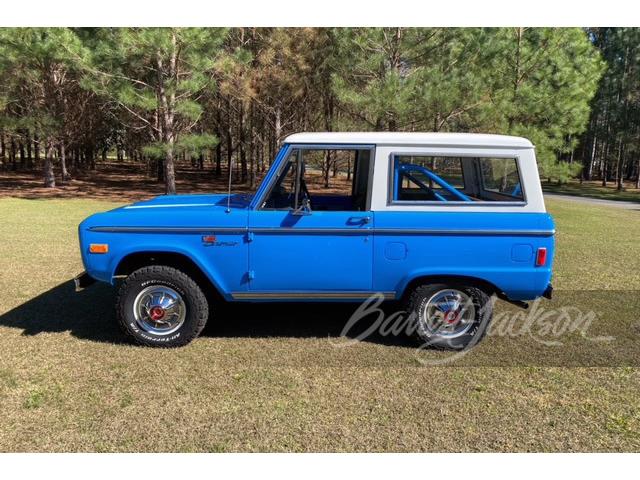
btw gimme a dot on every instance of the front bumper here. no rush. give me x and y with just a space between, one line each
83 281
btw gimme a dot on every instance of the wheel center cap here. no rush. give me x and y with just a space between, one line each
451 316
156 313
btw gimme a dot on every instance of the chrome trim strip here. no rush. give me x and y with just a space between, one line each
169 205
239 230
480 203
329 231
309 295
482 232
455 203
321 231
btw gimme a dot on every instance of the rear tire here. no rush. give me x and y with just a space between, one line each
449 316
160 306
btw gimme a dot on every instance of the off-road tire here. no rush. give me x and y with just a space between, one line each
417 300
197 308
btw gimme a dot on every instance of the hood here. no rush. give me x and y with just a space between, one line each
192 201
176 211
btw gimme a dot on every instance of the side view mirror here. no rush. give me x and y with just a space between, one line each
303 209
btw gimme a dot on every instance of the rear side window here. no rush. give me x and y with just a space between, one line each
463 180
500 175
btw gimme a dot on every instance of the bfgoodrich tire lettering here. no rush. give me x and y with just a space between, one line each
421 302
190 319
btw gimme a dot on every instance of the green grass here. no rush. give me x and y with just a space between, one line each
271 379
595 189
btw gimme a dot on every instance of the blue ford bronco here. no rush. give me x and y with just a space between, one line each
440 222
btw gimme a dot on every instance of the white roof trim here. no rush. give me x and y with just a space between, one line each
411 138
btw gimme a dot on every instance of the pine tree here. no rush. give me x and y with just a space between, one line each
39 68
157 76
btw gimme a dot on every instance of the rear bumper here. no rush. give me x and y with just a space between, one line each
83 281
548 293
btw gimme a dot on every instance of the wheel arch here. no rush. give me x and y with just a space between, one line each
180 261
488 287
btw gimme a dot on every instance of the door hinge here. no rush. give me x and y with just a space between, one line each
249 236
251 274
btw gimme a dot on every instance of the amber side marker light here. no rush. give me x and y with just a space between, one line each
541 257
99 248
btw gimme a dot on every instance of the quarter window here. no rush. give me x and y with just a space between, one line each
500 175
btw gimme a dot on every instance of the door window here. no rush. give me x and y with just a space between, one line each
325 179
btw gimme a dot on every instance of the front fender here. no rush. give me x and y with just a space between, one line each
223 266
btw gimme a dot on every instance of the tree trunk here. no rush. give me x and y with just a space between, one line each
29 151
327 167
219 159
593 158
243 153
63 163
328 126
36 148
3 150
12 154
252 149
278 127
169 169
49 177
619 168
23 157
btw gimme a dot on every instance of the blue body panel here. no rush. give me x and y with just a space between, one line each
491 249
173 224
268 255
325 251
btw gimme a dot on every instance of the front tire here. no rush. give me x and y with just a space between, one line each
449 316
160 306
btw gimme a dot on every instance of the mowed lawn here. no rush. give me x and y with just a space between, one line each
272 378
594 189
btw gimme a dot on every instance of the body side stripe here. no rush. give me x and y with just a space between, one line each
330 231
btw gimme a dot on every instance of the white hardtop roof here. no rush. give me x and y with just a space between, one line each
410 138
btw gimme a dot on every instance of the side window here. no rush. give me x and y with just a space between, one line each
465 180
331 179
500 175
418 177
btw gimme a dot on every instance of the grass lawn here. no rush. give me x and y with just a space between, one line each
271 378
594 189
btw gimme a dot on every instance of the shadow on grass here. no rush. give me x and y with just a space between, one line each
90 315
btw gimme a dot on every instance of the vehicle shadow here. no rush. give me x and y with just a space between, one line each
90 315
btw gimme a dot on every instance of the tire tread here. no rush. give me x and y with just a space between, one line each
199 305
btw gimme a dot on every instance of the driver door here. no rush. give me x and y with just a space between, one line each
296 250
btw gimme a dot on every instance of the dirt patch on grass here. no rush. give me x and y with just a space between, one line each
110 181
127 182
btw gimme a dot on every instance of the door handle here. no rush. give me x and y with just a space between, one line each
359 220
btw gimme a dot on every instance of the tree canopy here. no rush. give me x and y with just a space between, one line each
229 96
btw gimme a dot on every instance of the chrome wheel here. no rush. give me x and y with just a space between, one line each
159 310
448 313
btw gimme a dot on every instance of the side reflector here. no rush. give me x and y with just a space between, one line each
99 248
541 257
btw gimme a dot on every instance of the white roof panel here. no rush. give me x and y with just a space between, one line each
411 138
